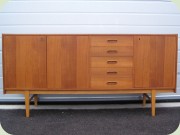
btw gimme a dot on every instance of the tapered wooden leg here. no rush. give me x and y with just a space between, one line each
36 100
144 100
27 103
153 102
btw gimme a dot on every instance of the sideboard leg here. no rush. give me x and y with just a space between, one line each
27 103
36 100
153 102
144 100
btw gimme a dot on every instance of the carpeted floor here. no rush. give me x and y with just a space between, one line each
91 122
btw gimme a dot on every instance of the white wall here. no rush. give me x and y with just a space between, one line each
89 16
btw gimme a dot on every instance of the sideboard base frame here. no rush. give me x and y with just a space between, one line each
35 93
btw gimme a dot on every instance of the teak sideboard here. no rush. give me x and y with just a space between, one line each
89 64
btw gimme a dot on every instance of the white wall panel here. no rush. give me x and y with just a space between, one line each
178 69
178 56
0 44
178 82
178 77
91 29
129 6
179 44
0 70
1 82
89 19
0 58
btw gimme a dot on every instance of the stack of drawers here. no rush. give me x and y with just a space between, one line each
111 62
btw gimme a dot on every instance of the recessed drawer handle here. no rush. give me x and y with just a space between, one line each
111 83
112 41
112 62
112 73
112 51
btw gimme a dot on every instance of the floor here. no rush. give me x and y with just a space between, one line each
134 121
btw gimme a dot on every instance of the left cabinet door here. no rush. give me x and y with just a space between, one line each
67 62
24 62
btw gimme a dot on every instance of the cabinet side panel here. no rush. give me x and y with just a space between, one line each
170 61
54 62
83 75
9 61
69 58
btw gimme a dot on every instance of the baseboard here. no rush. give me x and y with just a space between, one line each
89 102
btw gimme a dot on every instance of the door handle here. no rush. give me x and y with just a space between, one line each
111 83
112 62
112 51
112 73
112 41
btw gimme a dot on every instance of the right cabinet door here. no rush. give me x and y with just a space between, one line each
155 61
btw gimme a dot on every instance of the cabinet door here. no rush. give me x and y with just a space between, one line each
155 61
68 62
24 59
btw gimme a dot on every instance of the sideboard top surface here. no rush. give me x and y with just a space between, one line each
6 34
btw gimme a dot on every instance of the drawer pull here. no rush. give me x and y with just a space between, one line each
112 51
112 41
112 62
112 73
111 83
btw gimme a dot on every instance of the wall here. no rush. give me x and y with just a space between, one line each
89 16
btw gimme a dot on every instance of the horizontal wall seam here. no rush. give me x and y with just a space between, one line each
87 25
90 0
137 13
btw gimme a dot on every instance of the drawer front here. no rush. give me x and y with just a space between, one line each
111 40
112 51
111 72
107 83
111 62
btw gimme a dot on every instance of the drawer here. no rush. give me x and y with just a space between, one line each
111 62
111 40
107 83
111 72
112 51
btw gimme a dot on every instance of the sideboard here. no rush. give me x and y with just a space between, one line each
36 64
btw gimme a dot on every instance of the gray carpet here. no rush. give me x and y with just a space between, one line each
91 122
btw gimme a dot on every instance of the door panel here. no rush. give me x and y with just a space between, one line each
67 62
170 61
83 64
155 60
9 61
141 60
29 60
68 59
54 61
